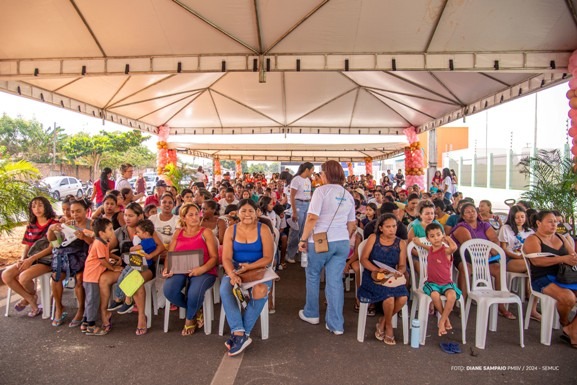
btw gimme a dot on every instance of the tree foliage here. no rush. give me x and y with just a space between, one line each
140 157
553 182
18 181
28 139
82 148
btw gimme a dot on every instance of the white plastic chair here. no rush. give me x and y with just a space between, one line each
549 314
520 279
151 301
207 309
264 324
364 307
350 275
481 289
422 300
45 293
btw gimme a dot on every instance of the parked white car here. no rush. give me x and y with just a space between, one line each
60 186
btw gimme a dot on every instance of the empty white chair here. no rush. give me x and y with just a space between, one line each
481 289
45 293
364 307
422 300
207 309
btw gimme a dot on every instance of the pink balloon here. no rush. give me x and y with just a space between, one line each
572 113
573 59
573 83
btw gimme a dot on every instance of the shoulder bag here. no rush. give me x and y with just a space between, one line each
320 239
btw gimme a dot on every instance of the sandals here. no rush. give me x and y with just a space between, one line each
21 305
508 315
371 312
450 347
379 334
390 340
75 323
188 330
59 321
200 319
139 331
96 331
35 313
83 327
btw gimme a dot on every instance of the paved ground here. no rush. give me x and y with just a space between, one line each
34 352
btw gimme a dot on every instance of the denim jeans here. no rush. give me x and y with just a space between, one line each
295 236
333 261
194 297
238 321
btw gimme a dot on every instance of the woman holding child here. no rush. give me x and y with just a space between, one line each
192 236
384 247
248 248
123 241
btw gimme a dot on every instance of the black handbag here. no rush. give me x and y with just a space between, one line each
567 274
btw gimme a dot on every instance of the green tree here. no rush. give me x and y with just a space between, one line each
140 157
552 182
28 139
17 188
89 150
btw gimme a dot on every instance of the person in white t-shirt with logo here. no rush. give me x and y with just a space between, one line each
300 197
331 210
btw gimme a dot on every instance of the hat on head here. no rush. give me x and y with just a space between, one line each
161 183
360 191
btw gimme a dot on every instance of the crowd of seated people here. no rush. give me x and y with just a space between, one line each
250 224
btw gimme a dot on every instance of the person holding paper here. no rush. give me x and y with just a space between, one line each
191 236
384 249
248 248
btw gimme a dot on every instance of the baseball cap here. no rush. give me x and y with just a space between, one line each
161 183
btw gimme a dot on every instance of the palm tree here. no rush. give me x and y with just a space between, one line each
18 185
553 182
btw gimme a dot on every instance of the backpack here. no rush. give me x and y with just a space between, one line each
70 261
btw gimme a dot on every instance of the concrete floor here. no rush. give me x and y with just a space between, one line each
34 352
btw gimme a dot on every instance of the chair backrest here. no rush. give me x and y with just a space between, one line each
361 267
528 266
423 260
480 252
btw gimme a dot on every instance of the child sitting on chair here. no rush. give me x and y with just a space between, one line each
145 232
439 278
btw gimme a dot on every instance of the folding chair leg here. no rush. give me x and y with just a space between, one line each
405 315
520 310
463 320
8 296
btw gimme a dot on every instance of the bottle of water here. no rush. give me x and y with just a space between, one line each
415 333
304 259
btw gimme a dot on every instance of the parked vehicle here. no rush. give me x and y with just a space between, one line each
151 180
60 186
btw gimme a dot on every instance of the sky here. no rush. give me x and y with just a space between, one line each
512 123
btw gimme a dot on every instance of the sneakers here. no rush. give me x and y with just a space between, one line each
335 332
290 260
125 308
115 305
239 343
311 320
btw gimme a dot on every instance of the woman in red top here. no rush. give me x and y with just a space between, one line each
102 186
192 236
20 276
438 179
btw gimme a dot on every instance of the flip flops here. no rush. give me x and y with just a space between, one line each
35 313
60 321
450 347
75 323
20 306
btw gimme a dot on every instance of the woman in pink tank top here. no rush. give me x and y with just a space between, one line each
191 236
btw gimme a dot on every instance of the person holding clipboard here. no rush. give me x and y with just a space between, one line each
191 237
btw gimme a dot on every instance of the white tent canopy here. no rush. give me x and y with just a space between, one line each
283 67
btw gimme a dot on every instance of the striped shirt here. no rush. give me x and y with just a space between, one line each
35 232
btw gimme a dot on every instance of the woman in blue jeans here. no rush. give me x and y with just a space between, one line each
300 196
247 246
332 210
191 236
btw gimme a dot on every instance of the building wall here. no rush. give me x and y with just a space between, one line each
448 139
81 172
